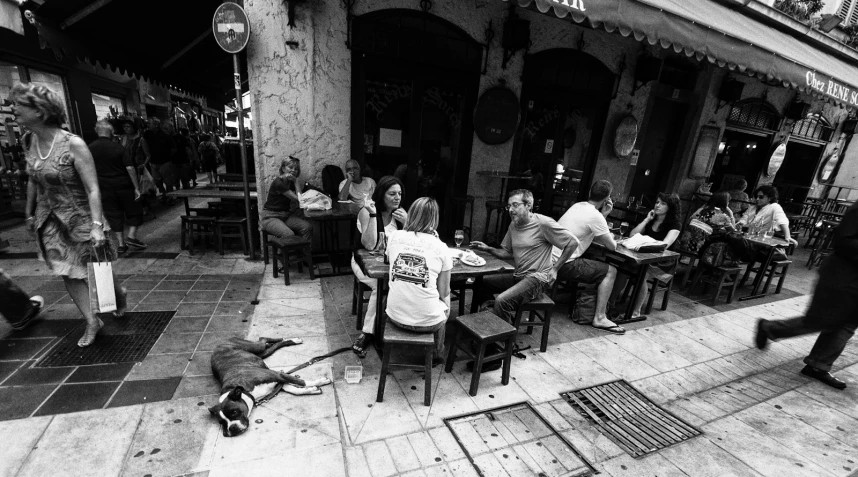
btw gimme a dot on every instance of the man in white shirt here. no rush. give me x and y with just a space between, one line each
586 220
766 215
355 187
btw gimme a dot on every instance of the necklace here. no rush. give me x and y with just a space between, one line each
39 149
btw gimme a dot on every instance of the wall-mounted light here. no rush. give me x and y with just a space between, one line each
721 147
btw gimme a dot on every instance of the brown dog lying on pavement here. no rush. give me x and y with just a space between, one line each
239 366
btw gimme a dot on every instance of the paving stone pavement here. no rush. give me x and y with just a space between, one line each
758 415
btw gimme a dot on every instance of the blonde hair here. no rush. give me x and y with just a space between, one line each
423 216
42 99
286 162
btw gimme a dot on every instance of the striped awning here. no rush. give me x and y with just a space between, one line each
710 30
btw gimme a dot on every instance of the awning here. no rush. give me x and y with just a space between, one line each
723 36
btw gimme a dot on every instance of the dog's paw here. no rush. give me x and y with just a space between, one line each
322 381
296 341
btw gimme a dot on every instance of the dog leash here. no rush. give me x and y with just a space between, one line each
314 360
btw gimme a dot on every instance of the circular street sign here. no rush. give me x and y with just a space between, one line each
230 27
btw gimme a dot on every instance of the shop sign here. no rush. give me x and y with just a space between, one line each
776 159
573 4
231 27
831 88
496 115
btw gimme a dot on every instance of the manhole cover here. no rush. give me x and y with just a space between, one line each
628 418
516 440
122 340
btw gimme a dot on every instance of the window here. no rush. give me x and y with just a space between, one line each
107 106
54 83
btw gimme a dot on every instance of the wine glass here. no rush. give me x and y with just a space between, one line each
459 237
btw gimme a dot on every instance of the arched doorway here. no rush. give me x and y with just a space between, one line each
414 85
565 98
746 144
807 141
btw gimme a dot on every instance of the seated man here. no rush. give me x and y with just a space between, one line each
355 187
529 241
766 215
586 221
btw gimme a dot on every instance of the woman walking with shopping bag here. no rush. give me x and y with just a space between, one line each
63 207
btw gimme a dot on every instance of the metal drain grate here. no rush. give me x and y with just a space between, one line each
516 440
628 418
122 340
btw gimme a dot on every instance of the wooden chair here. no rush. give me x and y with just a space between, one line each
226 227
396 338
196 226
493 206
720 277
482 329
777 268
693 260
539 314
562 285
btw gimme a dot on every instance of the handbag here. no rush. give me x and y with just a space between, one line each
102 293
147 183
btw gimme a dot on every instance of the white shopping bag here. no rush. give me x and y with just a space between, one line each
102 294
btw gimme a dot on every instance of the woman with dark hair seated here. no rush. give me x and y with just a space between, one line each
384 214
662 223
766 215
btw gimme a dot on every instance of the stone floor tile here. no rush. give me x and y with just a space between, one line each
21 401
179 324
269 434
638 344
490 393
700 457
59 451
688 348
299 290
379 458
548 412
446 444
160 366
708 337
326 460
592 444
176 343
209 283
77 397
170 284
22 349
817 414
172 438
196 309
234 323
7 368
427 453
27 432
193 386
653 465
210 340
615 359
404 456
27 376
462 468
297 326
144 391
807 441
356 462
203 296
416 473
581 370
390 418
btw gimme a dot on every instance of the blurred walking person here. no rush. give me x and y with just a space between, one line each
833 312
18 308
120 189
63 207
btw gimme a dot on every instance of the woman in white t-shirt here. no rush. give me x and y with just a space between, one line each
420 264
766 215
384 205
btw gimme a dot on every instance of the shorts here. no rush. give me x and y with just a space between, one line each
583 270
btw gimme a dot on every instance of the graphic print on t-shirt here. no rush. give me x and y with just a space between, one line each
410 268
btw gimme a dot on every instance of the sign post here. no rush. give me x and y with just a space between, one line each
231 30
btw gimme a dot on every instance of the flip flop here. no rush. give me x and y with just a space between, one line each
616 329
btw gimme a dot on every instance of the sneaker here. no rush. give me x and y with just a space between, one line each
136 243
37 303
121 249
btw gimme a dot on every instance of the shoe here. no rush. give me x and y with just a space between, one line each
823 376
762 338
121 302
361 344
89 334
36 302
136 243
121 249
490 366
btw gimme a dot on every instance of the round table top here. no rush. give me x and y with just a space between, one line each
503 175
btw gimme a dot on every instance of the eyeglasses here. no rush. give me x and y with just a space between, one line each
514 205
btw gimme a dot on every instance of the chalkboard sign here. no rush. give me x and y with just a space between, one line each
496 115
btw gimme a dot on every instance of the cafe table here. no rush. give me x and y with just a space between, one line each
209 194
379 270
230 185
632 263
770 244
235 177
330 222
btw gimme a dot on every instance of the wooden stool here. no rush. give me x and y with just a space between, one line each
481 329
231 223
458 292
284 246
693 260
777 268
358 301
193 226
398 338
720 277
493 206
464 202
539 310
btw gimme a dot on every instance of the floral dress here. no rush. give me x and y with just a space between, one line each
62 220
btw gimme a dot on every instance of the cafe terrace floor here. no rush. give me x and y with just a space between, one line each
757 414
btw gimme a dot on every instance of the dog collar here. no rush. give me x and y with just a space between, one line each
245 396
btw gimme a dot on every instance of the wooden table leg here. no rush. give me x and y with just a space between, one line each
758 280
640 282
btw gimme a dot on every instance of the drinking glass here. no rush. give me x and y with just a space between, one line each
624 227
459 237
381 247
769 233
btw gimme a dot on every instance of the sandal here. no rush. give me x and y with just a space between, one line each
361 344
89 335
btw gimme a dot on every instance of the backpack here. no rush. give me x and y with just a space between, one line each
585 308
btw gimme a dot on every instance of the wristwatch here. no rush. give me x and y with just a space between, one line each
95 222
